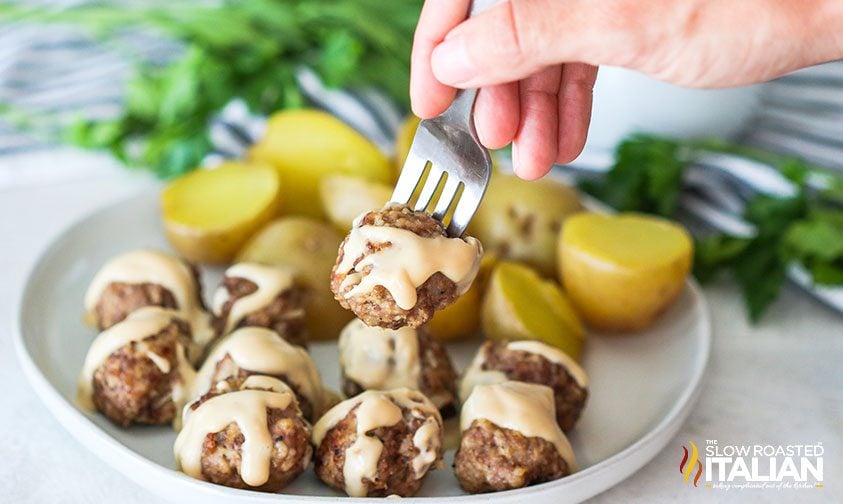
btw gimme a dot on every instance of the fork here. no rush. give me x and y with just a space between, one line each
459 165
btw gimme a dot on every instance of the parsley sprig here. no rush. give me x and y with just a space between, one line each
248 49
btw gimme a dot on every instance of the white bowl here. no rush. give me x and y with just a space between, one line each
626 102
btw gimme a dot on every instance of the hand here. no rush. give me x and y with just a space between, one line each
535 61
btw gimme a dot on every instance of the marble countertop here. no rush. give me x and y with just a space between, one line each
778 382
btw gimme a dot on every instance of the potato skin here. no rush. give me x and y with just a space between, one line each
520 220
305 145
618 297
214 244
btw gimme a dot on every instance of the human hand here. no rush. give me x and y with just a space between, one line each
535 61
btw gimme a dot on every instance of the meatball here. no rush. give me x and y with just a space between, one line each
373 358
532 362
137 371
395 438
510 439
492 458
259 351
138 279
252 295
397 267
120 299
246 435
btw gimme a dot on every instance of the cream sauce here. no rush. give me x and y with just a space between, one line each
527 408
159 268
554 355
263 351
270 281
246 408
138 326
475 374
381 409
381 359
407 263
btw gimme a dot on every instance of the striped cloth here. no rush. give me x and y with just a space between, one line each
49 77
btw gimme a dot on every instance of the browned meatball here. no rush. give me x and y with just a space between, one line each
284 315
437 376
377 307
129 387
395 467
120 299
291 452
530 367
492 458
227 370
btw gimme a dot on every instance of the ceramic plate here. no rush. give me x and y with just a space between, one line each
642 386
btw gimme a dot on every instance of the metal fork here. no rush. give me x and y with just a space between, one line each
449 144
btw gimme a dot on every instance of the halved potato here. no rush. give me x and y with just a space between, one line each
307 145
309 247
622 271
344 198
520 220
520 304
209 214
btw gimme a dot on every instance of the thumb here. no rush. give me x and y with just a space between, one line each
515 38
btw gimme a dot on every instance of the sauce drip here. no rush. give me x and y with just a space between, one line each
374 409
139 325
247 409
154 267
270 281
263 351
475 374
523 407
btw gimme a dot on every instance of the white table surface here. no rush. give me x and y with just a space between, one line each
778 382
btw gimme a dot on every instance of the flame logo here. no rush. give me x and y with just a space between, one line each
686 467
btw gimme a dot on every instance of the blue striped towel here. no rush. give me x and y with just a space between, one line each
58 75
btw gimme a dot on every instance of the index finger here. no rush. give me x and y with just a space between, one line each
428 96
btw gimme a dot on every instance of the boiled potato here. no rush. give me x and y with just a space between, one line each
520 304
209 214
309 247
344 198
622 271
520 220
307 145
462 318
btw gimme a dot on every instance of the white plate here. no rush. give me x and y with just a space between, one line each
642 386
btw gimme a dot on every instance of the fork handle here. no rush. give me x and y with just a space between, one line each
462 107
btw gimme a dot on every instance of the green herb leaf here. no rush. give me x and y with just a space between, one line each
646 176
234 49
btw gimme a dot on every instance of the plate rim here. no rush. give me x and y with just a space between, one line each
122 457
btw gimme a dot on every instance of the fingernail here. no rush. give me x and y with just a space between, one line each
515 159
450 62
